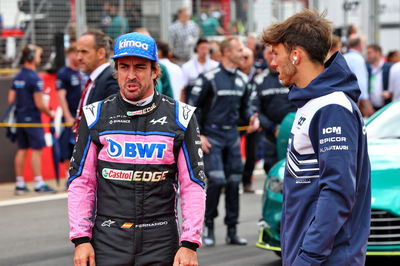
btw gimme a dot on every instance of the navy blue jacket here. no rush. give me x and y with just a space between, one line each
327 195
221 97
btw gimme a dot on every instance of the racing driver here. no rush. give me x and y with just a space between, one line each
135 151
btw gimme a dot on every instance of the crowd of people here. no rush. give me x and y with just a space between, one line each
169 120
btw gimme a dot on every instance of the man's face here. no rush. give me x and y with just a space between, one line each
282 62
248 59
38 56
73 58
372 56
268 56
202 49
88 55
235 52
135 77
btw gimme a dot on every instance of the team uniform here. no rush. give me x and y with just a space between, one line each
272 105
327 195
221 97
128 165
69 80
26 83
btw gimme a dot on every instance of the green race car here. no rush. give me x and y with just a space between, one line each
383 130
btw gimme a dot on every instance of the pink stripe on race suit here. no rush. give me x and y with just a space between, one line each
193 197
137 149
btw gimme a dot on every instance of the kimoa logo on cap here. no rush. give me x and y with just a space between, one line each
138 44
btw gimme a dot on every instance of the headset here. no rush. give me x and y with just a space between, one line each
28 53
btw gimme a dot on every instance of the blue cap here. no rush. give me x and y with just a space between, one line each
135 44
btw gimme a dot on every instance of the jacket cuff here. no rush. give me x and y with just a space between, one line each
189 245
80 240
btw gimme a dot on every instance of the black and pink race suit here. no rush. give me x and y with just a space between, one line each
127 168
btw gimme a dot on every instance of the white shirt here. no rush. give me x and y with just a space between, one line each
175 75
357 65
394 81
193 68
376 88
93 77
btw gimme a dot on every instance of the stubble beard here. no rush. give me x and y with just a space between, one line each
288 71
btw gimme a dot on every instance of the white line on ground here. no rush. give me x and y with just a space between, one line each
34 199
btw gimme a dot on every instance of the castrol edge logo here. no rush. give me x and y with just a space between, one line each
114 174
137 176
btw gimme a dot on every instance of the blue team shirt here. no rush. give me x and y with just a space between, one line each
26 83
70 80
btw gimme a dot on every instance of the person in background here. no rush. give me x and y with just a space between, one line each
393 56
221 96
94 49
174 70
27 93
247 67
336 46
199 64
210 26
378 77
183 35
394 81
272 105
326 209
356 63
215 52
134 151
119 24
253 43
69 90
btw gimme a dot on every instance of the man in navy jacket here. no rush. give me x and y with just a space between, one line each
327 195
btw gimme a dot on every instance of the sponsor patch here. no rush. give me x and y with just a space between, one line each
107 223
131 43
332 130
114 174
134 150
141 112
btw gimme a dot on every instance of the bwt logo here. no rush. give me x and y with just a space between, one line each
330 130
138 44
135 150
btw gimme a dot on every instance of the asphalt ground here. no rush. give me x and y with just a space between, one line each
34 231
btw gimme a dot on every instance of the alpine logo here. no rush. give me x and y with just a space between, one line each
138 44
114 174
162 120
136 150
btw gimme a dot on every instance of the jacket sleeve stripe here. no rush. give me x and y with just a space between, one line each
71 178
192 177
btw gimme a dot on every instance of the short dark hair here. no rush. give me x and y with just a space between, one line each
200 41
375 47
101 40
307 29
163 48
28 53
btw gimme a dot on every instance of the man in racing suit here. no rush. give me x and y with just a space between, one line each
135 151
222 96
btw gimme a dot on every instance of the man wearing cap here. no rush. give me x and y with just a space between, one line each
135 151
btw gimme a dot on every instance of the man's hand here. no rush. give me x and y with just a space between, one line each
84 253
186 257
254 123
205 145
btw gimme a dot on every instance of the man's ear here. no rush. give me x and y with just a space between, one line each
101 52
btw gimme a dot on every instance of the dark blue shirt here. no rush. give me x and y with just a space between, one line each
70 80
26 83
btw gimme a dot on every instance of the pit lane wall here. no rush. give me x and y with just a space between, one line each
8 149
